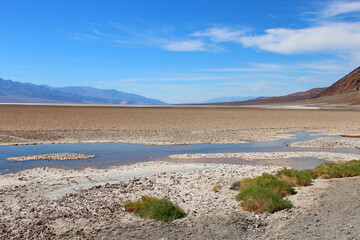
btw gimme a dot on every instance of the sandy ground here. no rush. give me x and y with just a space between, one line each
20 124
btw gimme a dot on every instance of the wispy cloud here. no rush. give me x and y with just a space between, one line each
176 78
221 34
341 7
341 38
314 66
186 46
311 79
80 36
326 34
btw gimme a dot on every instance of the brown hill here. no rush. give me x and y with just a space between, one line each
273 100
348 84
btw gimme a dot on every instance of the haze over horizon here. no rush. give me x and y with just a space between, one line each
180 51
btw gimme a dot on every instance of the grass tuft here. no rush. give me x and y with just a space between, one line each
266 193
269 181
154 208
261 199
337 170
295 178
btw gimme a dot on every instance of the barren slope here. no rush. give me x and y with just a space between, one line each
348 84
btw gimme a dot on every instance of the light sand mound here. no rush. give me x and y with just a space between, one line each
329 156
54 156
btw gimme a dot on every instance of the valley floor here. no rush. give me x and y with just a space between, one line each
21 124
47 203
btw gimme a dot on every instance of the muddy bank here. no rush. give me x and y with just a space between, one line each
54 156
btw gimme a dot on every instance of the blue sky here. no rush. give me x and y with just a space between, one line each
180 51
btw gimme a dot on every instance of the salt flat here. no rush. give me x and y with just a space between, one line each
28 124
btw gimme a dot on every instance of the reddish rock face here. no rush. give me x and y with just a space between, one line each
348 84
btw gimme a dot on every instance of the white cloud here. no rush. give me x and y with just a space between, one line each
217 34
188 45
310 79
342 36
337 8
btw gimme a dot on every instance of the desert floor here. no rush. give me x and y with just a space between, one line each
21 124
47 203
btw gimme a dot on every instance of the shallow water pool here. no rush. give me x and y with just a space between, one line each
115 154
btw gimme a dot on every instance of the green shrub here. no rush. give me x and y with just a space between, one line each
294 178
154 208
337 170
268 181
261 199
133 207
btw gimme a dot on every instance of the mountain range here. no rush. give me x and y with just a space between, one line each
17 92
344 91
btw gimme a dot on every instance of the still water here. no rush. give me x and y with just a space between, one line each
115 154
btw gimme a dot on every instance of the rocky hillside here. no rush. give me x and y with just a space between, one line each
348 84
